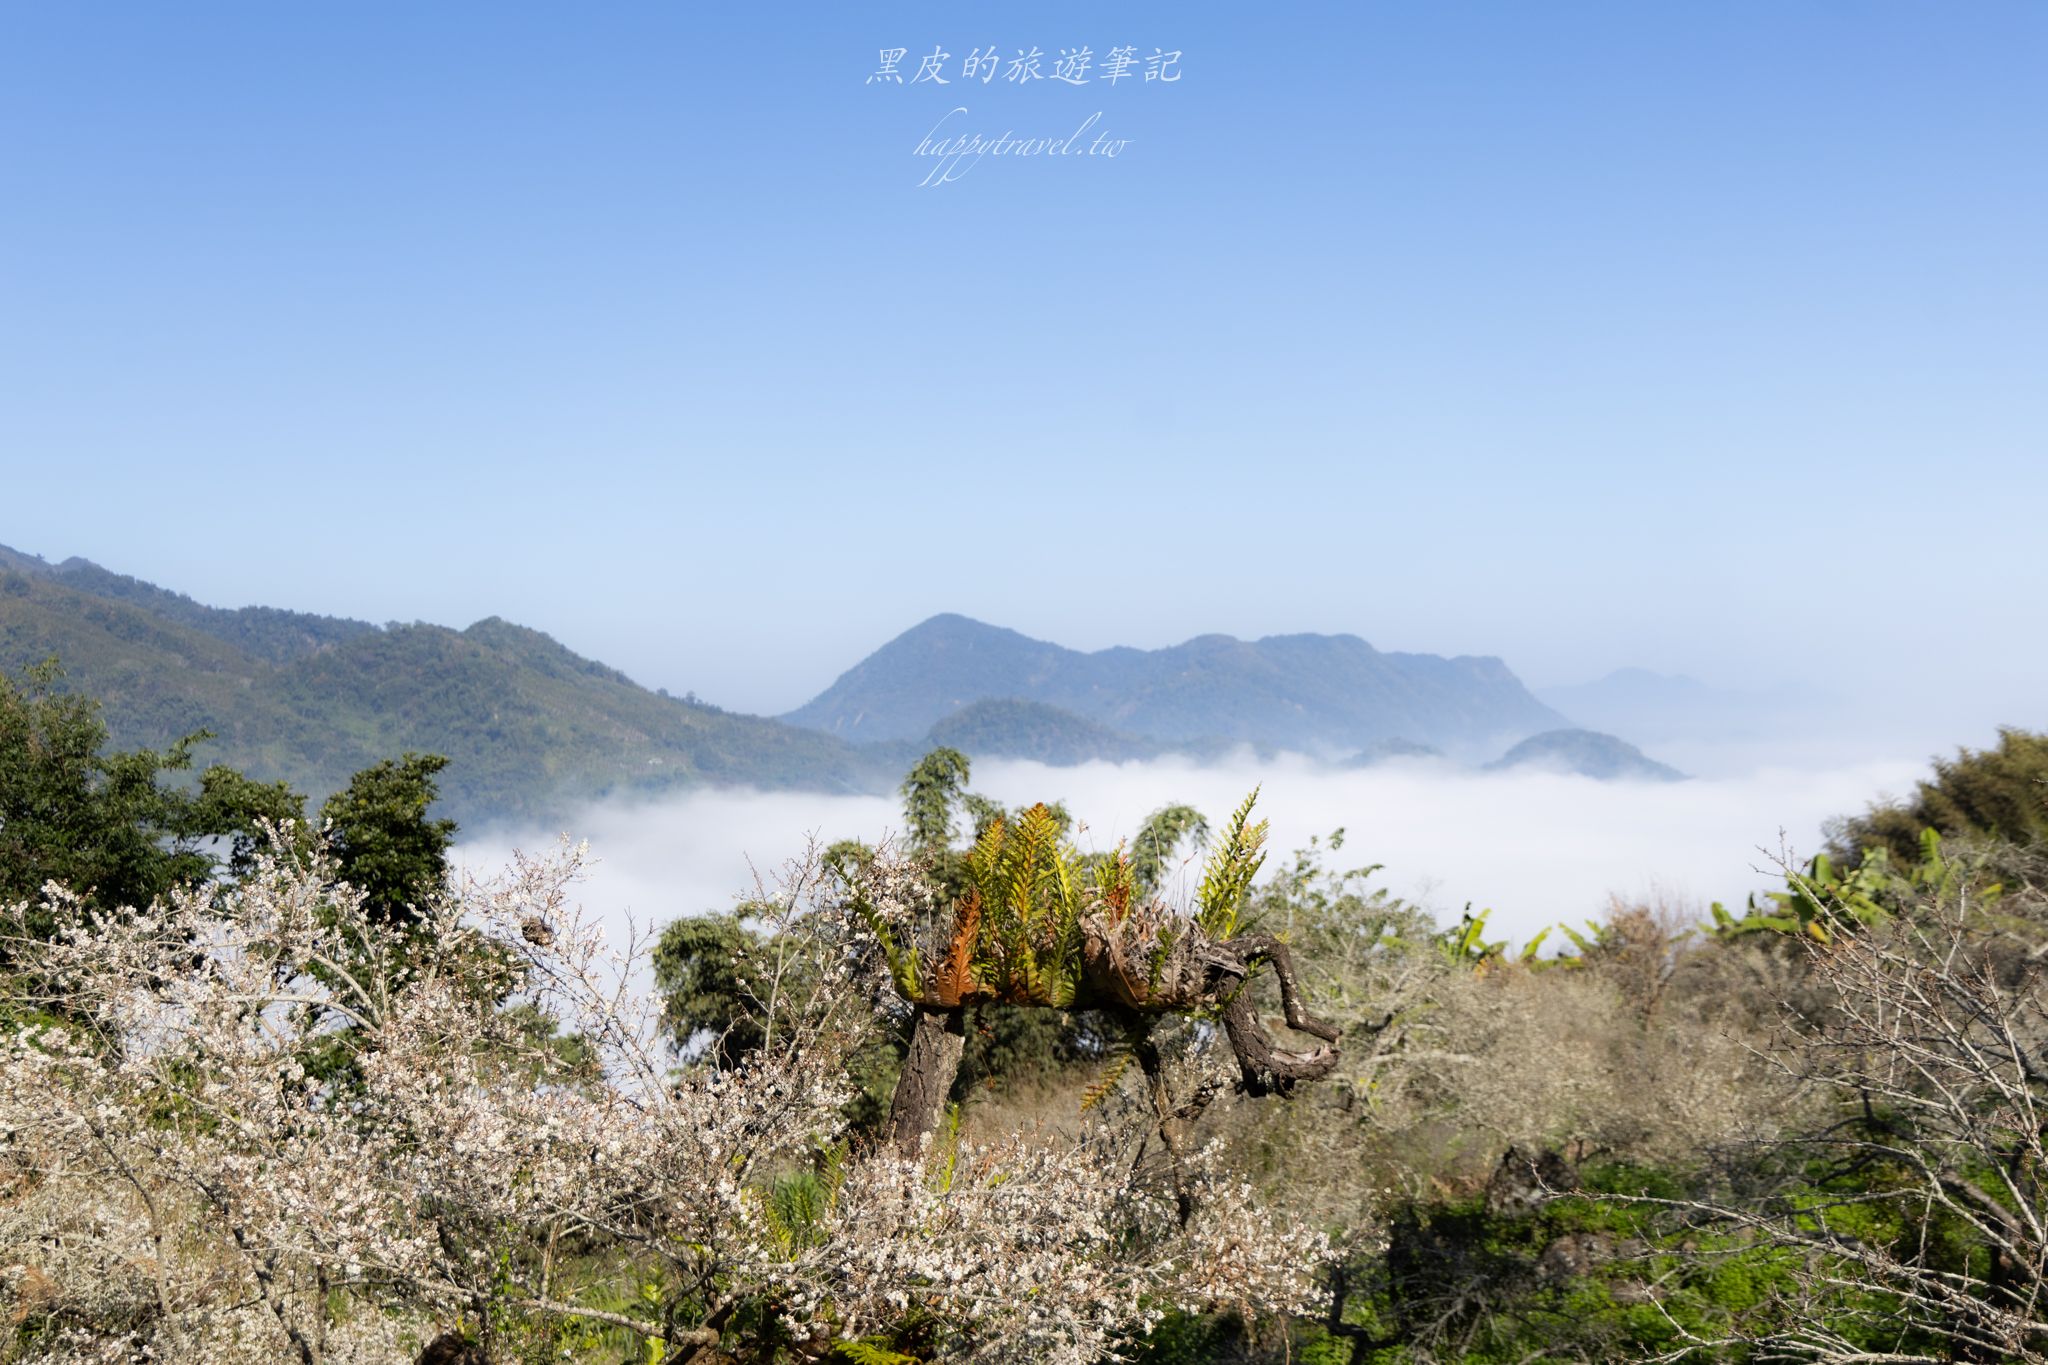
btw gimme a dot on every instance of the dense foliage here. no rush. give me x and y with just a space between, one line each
113 827
128 828
1998 793
383 839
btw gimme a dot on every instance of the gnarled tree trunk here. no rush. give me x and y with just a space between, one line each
927 1076
1196 974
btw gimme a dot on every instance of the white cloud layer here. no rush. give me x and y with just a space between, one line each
1534 847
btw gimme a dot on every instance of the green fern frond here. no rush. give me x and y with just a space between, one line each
796 1207
902 965
1228 876
1064 939
985 859
1062 983
1017 869
949 1143
1162 945
874 1351
1099 1090
1035 864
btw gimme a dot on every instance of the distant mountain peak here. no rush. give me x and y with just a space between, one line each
1586 753
945 623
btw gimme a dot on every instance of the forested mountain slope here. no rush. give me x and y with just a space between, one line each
530 727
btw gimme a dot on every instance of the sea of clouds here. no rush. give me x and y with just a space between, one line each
1533 847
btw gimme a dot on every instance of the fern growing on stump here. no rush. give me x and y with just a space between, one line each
1031 928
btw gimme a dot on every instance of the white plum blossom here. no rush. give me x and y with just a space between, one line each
245 1123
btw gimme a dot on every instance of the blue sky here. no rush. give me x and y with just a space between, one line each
1709 338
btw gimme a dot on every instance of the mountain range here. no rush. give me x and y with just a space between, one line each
532 729
1321 694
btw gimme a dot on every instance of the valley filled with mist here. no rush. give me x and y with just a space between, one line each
1535 848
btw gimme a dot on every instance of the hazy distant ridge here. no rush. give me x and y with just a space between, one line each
1315 693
